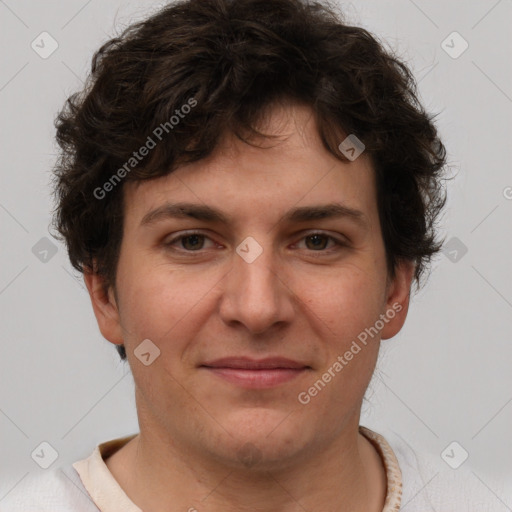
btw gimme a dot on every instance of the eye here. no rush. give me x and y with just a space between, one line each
318 241
193 241
190 242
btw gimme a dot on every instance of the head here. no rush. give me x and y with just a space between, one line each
241 107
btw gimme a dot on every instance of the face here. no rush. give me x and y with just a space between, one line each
257 303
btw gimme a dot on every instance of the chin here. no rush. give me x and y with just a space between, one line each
263 439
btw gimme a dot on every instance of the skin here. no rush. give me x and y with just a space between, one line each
297 300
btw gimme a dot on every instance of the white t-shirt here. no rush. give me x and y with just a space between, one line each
414 484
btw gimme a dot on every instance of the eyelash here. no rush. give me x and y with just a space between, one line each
338 243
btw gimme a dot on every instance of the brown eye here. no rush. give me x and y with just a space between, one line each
188 242
318 241
192 242
321 243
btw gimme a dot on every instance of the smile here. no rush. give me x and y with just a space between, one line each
253 374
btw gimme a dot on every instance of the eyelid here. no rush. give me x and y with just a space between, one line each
342 239
185 234
339 241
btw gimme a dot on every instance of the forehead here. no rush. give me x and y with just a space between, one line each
265 178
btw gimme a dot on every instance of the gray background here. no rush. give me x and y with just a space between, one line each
446 376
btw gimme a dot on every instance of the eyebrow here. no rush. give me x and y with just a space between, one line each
208 214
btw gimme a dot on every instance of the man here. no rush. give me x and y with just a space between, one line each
250 189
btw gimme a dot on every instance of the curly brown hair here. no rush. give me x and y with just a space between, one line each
228 60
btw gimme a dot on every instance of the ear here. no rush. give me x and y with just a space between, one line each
105 307
397 299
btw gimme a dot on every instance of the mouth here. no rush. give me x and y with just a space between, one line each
252 373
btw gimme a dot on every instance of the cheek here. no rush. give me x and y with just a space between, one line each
162 304
346 301
345 309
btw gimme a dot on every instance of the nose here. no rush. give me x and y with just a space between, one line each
256 294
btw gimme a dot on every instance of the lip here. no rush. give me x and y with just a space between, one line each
247 363
256 373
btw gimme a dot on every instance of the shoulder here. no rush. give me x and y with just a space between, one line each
56 490
431 484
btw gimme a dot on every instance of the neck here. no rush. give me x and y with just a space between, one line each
158 474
